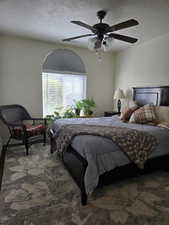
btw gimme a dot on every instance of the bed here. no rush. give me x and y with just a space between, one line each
114 164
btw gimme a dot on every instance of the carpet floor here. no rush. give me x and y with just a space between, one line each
37 190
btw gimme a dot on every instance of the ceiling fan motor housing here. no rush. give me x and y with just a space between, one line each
101 30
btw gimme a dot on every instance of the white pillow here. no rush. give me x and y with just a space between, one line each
164 124
162 113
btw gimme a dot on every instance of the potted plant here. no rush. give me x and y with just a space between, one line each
51 118
69 112
78 107
88 104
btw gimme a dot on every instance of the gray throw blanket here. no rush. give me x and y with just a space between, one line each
137 145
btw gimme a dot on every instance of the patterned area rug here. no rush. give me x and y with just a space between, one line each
37 190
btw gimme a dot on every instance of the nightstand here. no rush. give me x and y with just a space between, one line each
107 114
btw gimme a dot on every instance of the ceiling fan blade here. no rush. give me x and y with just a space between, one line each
81 36
84 25
123 25
123 38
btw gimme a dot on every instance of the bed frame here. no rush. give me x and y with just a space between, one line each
76 164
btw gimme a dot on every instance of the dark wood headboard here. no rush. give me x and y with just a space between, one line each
155 95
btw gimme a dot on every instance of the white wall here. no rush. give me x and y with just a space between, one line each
144 65
21 60
20 73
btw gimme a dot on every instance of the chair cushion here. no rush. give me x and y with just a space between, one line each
32 130
145 114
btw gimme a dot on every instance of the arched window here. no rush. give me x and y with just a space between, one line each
63 80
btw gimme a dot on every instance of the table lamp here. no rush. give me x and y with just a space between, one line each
119 95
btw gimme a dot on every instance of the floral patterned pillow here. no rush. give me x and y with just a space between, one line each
143 115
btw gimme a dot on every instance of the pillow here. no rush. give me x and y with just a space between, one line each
164 124
162 113
145 114
132 103
125 103
126 113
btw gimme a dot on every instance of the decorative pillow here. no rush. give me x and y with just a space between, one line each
132 103
162 113
164 124
145 114
125 103
127 112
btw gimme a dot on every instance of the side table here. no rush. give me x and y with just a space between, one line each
107 114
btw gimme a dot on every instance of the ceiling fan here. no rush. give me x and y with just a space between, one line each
103 32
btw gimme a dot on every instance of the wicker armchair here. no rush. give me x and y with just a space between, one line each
22 126
2 162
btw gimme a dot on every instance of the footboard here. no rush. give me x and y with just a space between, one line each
75 164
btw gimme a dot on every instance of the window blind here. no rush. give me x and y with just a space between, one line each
60 90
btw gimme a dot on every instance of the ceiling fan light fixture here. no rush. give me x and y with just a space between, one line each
95 44
98 44
92 43
107 44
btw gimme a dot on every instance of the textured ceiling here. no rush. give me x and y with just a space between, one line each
50 19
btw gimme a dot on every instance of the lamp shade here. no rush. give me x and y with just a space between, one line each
119 94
